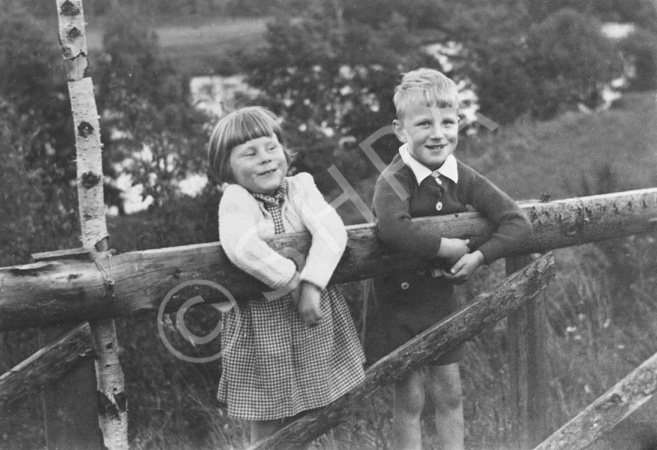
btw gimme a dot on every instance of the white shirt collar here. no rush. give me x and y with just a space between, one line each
449 168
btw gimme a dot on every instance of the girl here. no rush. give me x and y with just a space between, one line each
296 348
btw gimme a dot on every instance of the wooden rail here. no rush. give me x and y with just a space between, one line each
55 291
607 411
65 281
446 335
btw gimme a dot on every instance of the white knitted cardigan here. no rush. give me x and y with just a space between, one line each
244 222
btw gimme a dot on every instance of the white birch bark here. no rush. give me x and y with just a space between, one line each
113 416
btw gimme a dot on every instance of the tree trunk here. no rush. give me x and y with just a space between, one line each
113 416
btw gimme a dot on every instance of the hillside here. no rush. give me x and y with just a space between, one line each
575 154
197 46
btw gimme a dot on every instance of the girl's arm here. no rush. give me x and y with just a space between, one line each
239 227
329 236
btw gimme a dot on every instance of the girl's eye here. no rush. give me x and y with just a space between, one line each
271 148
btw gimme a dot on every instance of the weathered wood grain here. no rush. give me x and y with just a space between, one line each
73 290
526 332
607 411
425 348
46 366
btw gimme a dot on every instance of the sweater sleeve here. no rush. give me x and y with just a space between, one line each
394 225
329 236
513 226
239 235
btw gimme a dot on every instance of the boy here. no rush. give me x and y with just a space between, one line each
436 183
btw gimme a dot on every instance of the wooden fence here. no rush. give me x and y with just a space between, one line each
91 285
69 287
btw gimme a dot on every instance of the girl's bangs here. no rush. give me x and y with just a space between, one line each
246 127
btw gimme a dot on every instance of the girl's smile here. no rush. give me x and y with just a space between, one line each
259 165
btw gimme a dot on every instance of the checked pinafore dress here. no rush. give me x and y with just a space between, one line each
274 366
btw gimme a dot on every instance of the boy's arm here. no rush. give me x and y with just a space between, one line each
396 229
513 226
238 235
329 236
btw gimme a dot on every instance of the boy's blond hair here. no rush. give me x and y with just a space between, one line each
426 86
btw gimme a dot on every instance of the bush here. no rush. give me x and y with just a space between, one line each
640 55
570 62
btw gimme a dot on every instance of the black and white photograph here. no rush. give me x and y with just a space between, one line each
328 225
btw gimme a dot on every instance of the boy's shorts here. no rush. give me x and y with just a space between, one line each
403 306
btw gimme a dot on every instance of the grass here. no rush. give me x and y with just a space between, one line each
563 156
600 309
197 45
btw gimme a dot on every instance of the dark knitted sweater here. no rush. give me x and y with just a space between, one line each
408 303
472 192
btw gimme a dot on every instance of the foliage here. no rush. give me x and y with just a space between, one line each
331 79
539 69
639 50
38 199
641 12
572 60
150 129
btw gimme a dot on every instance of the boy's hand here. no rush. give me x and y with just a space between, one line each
465 267
309 304
452 249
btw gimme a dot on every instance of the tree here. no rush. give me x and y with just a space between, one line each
571 60
332 81
38 202
151 130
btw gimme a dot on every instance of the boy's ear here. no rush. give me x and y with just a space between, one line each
399 130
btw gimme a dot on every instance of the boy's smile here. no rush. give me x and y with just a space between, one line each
259 165
431 133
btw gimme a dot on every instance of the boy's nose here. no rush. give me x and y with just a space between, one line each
437 131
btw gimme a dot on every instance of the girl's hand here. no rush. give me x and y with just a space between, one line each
465 267
309 304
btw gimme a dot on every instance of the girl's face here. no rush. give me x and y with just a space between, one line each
259 165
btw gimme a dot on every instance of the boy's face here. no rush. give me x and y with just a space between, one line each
431 133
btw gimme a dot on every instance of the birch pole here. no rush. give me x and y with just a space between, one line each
112 404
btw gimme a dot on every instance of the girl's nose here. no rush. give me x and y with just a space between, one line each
265 157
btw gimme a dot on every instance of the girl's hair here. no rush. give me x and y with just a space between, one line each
236 128
427 87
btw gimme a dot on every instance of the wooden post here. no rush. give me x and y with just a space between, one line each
111 406
526 333
69 403
421 350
